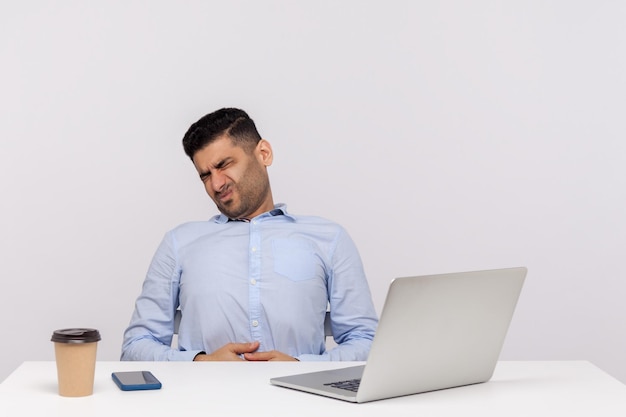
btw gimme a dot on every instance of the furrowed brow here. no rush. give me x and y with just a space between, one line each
221 164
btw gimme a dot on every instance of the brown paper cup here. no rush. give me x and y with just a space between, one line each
75 352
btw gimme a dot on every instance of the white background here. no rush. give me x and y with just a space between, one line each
445 136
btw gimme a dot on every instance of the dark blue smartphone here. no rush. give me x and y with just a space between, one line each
135 380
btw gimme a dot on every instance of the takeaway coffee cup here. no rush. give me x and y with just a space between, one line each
75 352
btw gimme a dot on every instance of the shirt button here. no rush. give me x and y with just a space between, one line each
254 249
255 323
253 281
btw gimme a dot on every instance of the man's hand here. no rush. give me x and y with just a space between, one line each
229 352
272 355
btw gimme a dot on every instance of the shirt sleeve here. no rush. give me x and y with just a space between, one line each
352 313
151 329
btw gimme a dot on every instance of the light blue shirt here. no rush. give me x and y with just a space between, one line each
268 280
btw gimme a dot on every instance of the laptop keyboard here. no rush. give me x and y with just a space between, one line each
350 385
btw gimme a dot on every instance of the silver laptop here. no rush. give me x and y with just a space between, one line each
435 332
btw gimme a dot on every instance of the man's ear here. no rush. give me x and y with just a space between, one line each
264 152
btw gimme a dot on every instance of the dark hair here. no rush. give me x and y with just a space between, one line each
234 123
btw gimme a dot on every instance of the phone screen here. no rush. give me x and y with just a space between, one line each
136 380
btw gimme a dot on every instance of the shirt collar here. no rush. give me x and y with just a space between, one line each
278 210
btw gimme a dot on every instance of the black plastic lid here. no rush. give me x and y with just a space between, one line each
75 336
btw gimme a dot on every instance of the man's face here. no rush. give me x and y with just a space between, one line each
236 180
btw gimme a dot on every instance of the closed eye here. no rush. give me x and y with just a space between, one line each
205 176
223 164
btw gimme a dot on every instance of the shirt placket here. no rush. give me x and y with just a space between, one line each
253 283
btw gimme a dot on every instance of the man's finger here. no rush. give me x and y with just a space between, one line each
260 356
249 347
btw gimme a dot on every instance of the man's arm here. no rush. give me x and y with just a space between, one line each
151 329
352 313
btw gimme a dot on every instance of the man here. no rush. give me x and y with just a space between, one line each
254 282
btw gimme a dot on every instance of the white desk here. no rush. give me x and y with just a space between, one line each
223 389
